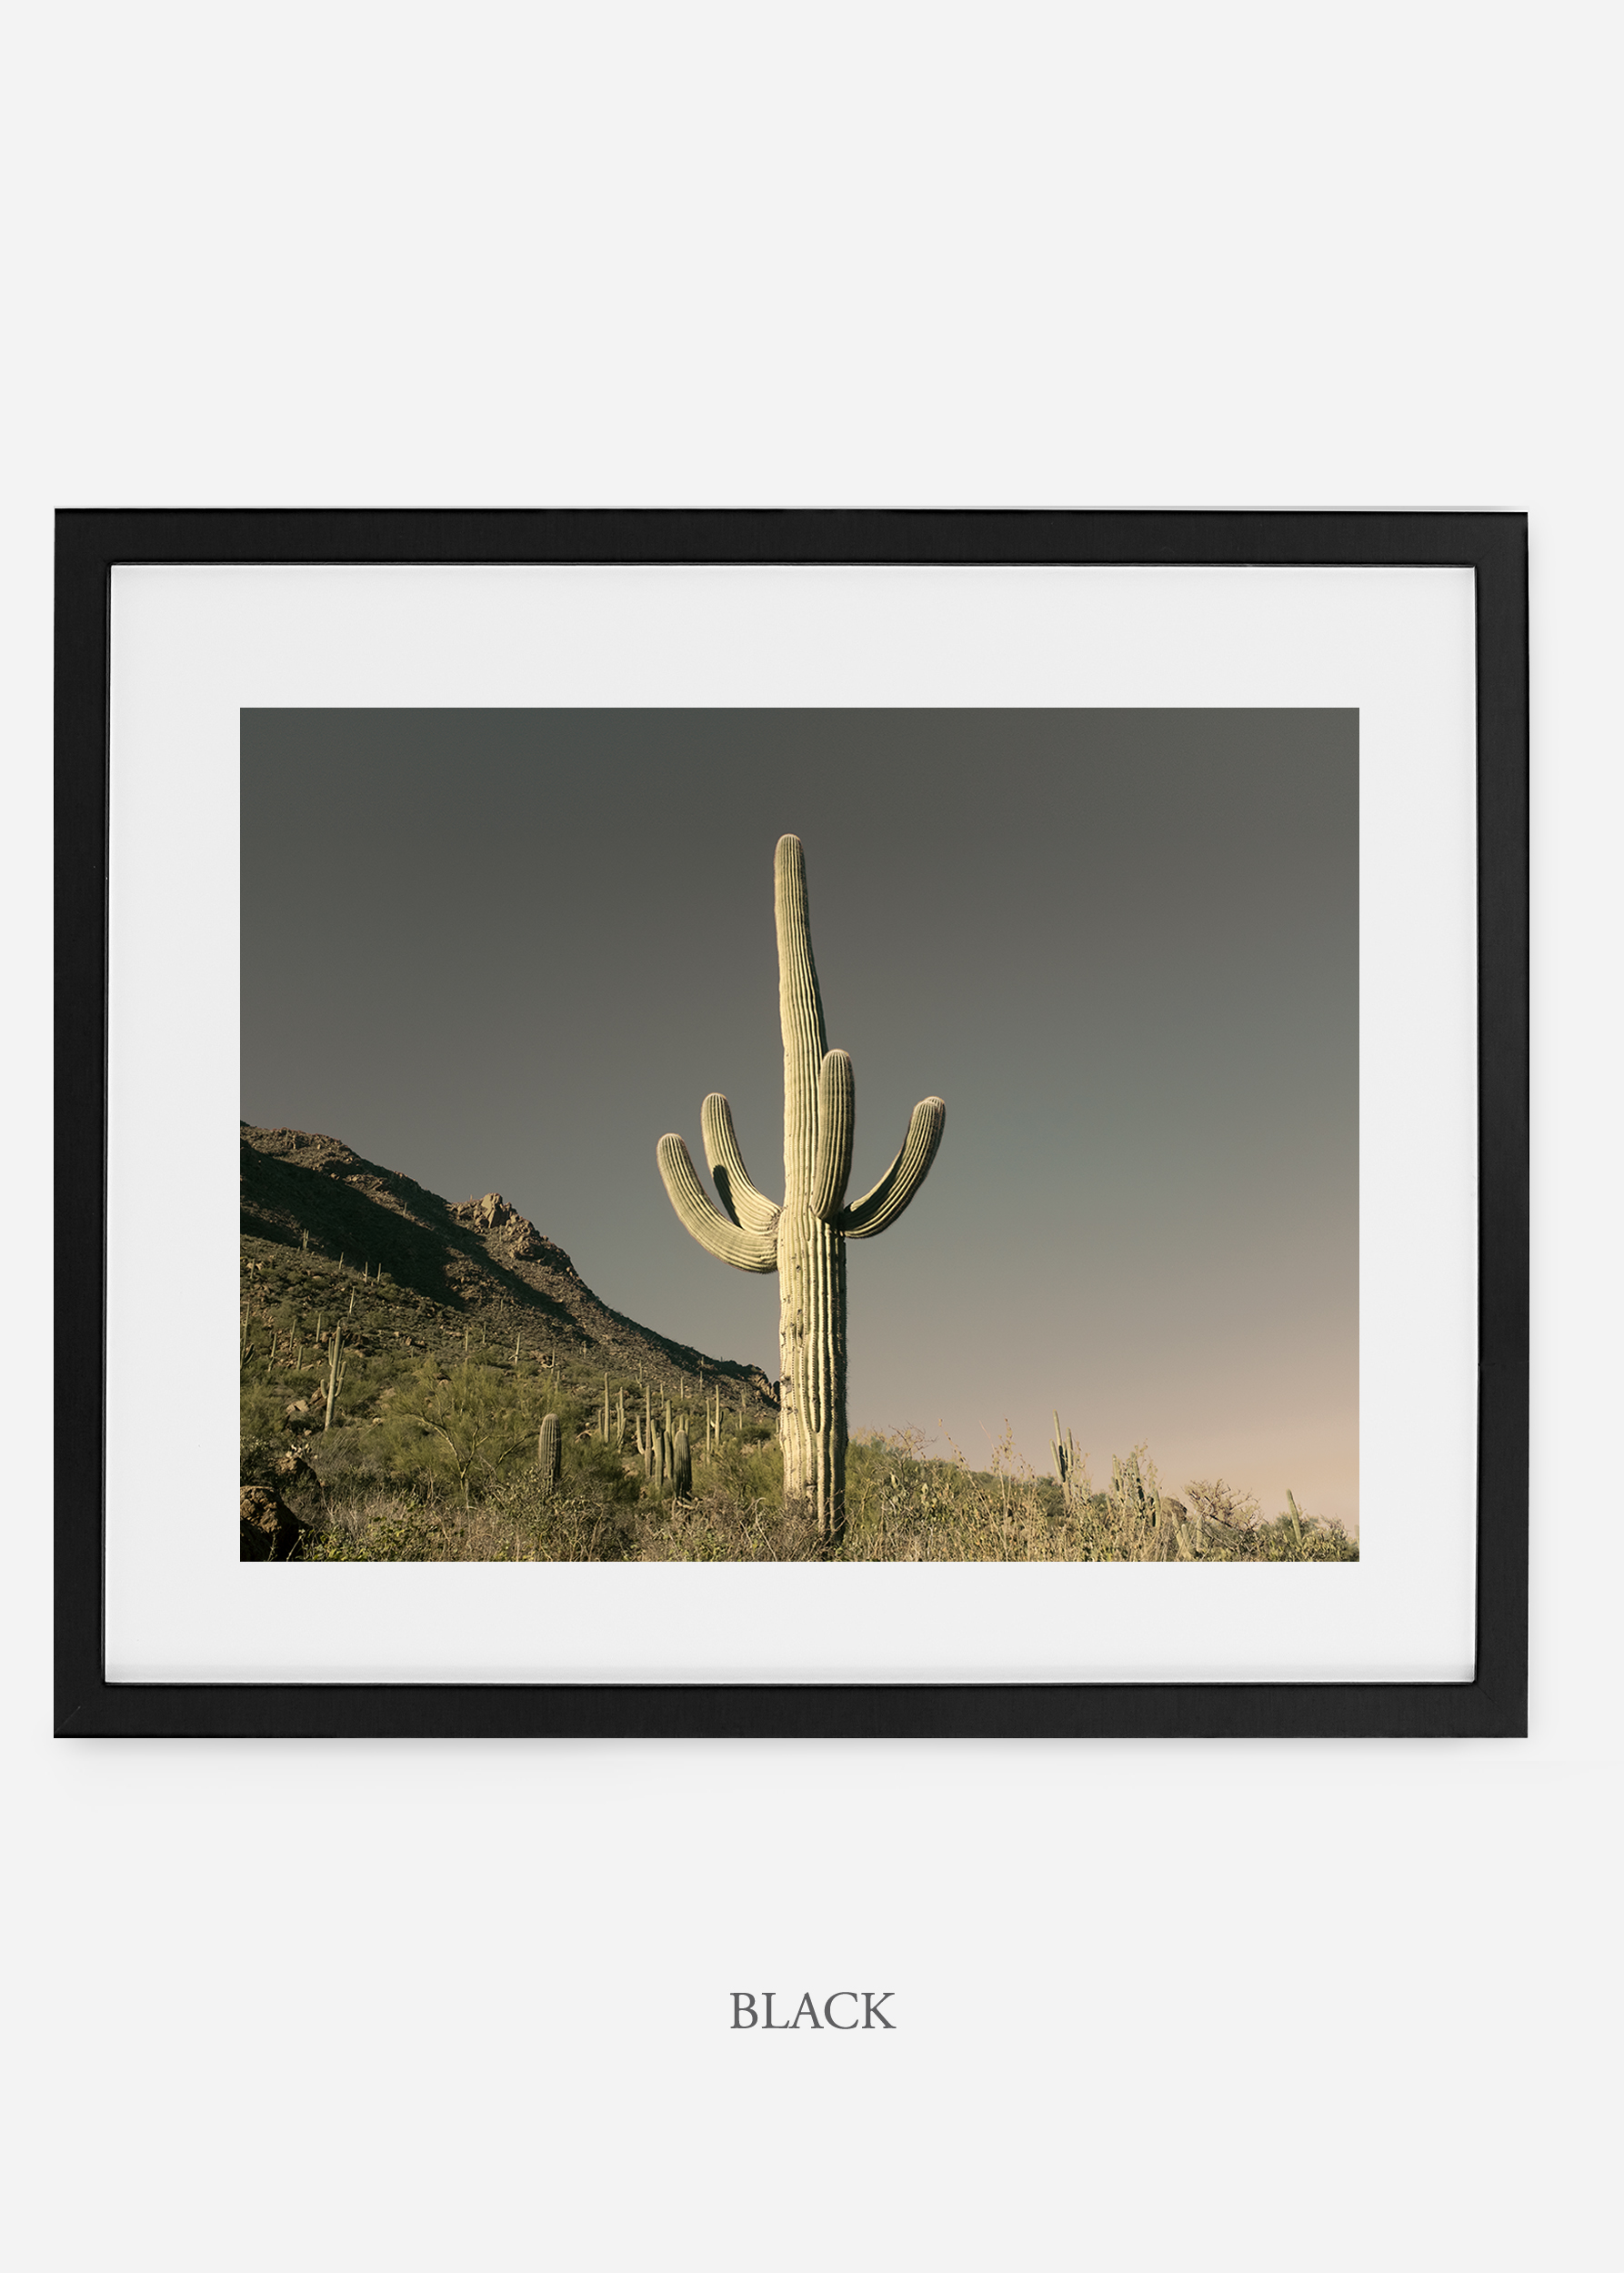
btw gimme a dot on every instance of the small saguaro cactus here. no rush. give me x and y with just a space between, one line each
549 1454
803 1238
336 1346
1068 1466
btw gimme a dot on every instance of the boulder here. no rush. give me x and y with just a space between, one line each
268 1530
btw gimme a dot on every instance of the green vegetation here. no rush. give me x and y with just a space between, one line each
434 1452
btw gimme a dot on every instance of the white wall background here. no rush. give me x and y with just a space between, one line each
411 2006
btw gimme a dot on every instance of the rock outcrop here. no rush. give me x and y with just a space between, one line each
268 1529
517 1236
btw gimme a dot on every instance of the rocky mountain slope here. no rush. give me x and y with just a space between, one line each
477 1264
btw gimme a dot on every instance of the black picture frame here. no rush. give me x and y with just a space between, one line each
1493 545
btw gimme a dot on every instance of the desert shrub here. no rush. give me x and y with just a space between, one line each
722 1525
468 1425
1133 1520
749 1468
901 1506
263 1410
1307 1541
593 1470
349 1465
376 1525
257 1454
519 1524
1217 1503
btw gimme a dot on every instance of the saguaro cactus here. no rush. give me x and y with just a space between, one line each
337 1343
1068 1466
803 1240
549 1454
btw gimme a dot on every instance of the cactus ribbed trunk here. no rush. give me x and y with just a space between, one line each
812 1358
811 1253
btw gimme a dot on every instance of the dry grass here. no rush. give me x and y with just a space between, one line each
901 1508
383 1525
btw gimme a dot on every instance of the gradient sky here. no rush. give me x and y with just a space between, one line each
507 951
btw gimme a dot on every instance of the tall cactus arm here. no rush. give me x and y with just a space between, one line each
746 1250
906 1172
800 1018
740 1199
836 1117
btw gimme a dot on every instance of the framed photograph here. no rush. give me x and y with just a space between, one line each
792 1123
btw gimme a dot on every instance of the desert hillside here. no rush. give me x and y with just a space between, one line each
435 1271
